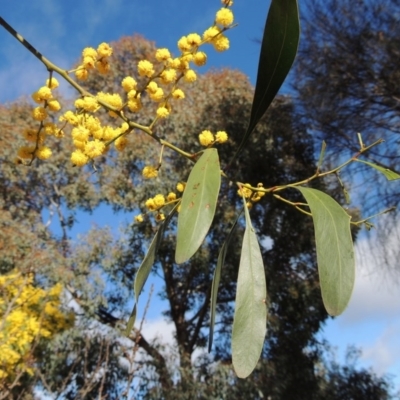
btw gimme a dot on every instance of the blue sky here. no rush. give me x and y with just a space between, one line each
60 29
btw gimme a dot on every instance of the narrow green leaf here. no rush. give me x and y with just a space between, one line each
145 267
321 154
389 174
199 202
278 50
345 192
216 279
335 252
250 319
346 195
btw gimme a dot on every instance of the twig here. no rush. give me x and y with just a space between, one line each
136 344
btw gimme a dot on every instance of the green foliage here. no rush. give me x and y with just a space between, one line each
335 253
346 81
389 174
216 280
250 319
278 50
143 271
198 205
349 382
98 271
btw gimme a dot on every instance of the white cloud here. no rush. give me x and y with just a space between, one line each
162 333
371 321
373 298
384 353
159 330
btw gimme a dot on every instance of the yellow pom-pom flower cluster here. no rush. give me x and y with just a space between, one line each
207 138
223 21
46 103
251 195
162 79
224 17
180 186
157 202
149 172
94 59
28 313
245 191
89 136
157 80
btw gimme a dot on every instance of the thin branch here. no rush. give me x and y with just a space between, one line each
83 92
202 314
136 345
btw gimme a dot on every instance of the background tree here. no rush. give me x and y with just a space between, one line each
31 198
90 360
270 158
346 81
